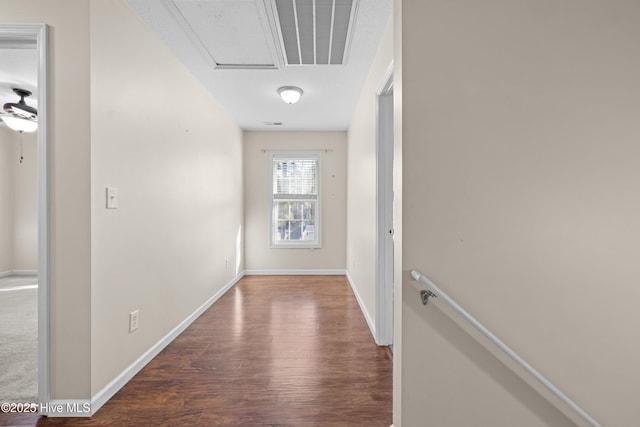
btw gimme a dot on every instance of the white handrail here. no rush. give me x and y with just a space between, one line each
431 290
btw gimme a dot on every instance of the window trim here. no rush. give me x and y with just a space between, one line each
295 155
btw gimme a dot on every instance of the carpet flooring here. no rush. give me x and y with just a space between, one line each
18 339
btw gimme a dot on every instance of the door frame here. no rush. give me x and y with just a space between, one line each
25 34
384 210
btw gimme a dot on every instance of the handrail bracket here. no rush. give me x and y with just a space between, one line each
425 295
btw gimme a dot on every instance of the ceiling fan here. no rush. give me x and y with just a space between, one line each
20 116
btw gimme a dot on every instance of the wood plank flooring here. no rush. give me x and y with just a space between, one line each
273 351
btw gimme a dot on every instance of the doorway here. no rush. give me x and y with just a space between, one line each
32 38
384 217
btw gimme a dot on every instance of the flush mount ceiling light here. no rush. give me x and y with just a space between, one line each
290 94
21 117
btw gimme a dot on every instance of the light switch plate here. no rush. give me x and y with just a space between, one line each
112 198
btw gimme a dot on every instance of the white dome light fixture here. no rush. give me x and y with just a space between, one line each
20 124
290 94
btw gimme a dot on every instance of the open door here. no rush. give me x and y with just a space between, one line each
384 195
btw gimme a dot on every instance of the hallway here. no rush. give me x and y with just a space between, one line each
274 350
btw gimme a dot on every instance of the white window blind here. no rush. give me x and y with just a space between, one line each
295 179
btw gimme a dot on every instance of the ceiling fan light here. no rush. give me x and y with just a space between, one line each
290 94
23 112
19 124
21 108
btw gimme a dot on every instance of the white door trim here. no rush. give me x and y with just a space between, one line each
43 216
384 210
39 34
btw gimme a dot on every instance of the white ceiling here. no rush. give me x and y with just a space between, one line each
18 69
208 35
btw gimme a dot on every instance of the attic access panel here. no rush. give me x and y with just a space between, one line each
315 32
229 34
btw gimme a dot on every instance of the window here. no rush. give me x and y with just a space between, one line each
295 208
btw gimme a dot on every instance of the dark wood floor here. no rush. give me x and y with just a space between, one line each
273 351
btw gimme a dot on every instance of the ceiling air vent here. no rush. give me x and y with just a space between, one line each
315 32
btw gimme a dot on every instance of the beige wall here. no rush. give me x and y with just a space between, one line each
19 209
361 171
174 240
259 256
7 153
25 202
520 183
69 182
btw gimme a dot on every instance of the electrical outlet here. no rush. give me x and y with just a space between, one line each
226 263
134 319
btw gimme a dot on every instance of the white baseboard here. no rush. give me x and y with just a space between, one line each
363 308
112 388
299 272
66 408
25 272
18 273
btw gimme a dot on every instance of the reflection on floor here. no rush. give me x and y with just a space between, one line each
19 339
